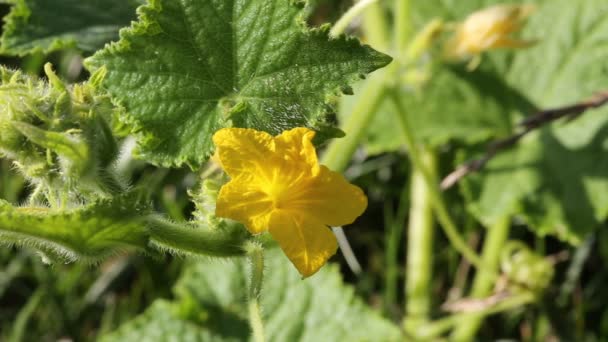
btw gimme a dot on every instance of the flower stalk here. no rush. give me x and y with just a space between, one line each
256 256
186 239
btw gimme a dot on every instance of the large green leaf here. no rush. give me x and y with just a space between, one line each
554 179
558 189
161 323
190 67
212 296
557 178
42 25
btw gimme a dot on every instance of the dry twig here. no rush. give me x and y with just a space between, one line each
529 124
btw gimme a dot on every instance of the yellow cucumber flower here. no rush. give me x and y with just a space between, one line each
486 29
277 185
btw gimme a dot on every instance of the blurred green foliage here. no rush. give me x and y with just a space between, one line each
555 182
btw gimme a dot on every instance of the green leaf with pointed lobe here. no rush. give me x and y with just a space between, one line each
188 68
210 298
46 26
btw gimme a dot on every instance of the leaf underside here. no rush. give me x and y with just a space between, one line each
190 67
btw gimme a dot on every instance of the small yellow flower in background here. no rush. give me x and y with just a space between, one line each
277 185
489 28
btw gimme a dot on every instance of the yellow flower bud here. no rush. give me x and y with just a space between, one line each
489 28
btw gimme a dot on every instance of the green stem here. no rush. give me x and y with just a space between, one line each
256 256
419 248
423 39
375 28
350 15
482 284
443 216
184 239
340 151
403 24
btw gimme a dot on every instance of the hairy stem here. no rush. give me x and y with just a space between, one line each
181 238
256 257
419 265
482 284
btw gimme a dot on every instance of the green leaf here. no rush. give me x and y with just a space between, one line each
45 26
188 68
88 233
553 179
556 178
315 309
211 295
161 323
558 187
454 105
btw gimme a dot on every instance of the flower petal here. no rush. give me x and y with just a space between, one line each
296 147
242 200
242 150
330 198
306 242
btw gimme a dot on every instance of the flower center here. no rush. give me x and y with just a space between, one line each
283 189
